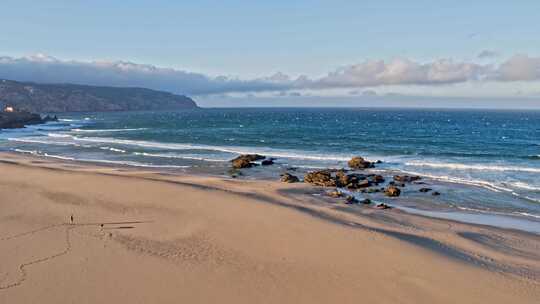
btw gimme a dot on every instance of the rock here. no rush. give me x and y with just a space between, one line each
383 206
19 119
363 184
372 190
350 200
289 178
435 193
342 178
241 163
322 178
291 169
334 193
376 178
251 157
358 162
396 184
351 181
245 160
406 178
365 201
267 162
392 191
424 190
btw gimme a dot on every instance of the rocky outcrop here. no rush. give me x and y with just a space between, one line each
322 178
334 193
13 120
376 178
365 201
340 178
289 178
267 162
392 191
350 200
406 178
246 161
424 190
359 163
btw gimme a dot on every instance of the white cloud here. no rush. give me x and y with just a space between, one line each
519 68
368 74
400 72
46 69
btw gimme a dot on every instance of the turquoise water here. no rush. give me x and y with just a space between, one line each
481 161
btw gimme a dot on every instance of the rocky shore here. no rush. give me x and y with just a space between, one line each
349 180
20 119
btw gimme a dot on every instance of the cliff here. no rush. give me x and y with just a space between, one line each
55 98
20 119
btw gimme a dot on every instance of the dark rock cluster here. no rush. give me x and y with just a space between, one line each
246 161
289 178
342 179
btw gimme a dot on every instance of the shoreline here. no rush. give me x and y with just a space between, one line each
482 252
479 217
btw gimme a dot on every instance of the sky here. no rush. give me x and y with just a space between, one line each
294 53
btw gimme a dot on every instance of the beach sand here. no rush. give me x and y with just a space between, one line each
148 237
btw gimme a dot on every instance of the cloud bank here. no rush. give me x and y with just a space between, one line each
371 73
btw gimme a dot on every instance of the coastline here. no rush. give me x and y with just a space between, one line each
244 239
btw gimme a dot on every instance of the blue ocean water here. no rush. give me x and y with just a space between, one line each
481 161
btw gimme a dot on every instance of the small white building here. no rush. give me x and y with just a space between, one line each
9 109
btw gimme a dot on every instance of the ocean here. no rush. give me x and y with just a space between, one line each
485 163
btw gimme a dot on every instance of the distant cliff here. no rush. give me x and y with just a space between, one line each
41 98
20 119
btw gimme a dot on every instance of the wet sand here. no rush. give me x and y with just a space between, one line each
146 237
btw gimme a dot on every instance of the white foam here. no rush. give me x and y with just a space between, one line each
524 186
128 163
498 213
106 130
45 142
457 166
457 180
59 135
113 149
33 152
178 156
527 214
233 150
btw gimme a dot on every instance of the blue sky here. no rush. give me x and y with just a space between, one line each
252 40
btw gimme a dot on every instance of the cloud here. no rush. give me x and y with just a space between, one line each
367 74
519 68
46 69
487 54
401 72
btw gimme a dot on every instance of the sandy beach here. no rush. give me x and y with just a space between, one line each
148 237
